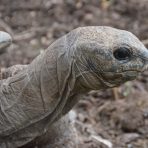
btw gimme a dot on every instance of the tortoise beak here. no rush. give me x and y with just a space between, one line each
5 40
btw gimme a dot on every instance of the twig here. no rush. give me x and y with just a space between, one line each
29 33
104 141
23 36
6 27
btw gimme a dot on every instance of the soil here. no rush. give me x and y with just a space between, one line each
118 115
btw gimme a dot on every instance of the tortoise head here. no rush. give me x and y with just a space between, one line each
5 41
108 57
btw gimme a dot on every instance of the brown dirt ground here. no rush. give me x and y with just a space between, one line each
34 24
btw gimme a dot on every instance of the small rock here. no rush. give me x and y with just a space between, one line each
127 138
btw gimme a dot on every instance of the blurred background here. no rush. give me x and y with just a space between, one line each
119 115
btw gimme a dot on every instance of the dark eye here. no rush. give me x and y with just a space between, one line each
122 53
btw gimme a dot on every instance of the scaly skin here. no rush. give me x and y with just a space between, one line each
34 99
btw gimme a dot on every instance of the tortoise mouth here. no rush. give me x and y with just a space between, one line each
131 74
116 79
111 75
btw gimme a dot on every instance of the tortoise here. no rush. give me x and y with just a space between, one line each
35 99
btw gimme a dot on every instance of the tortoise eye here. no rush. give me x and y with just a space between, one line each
122 53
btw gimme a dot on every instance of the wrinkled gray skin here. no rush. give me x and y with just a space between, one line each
35 97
